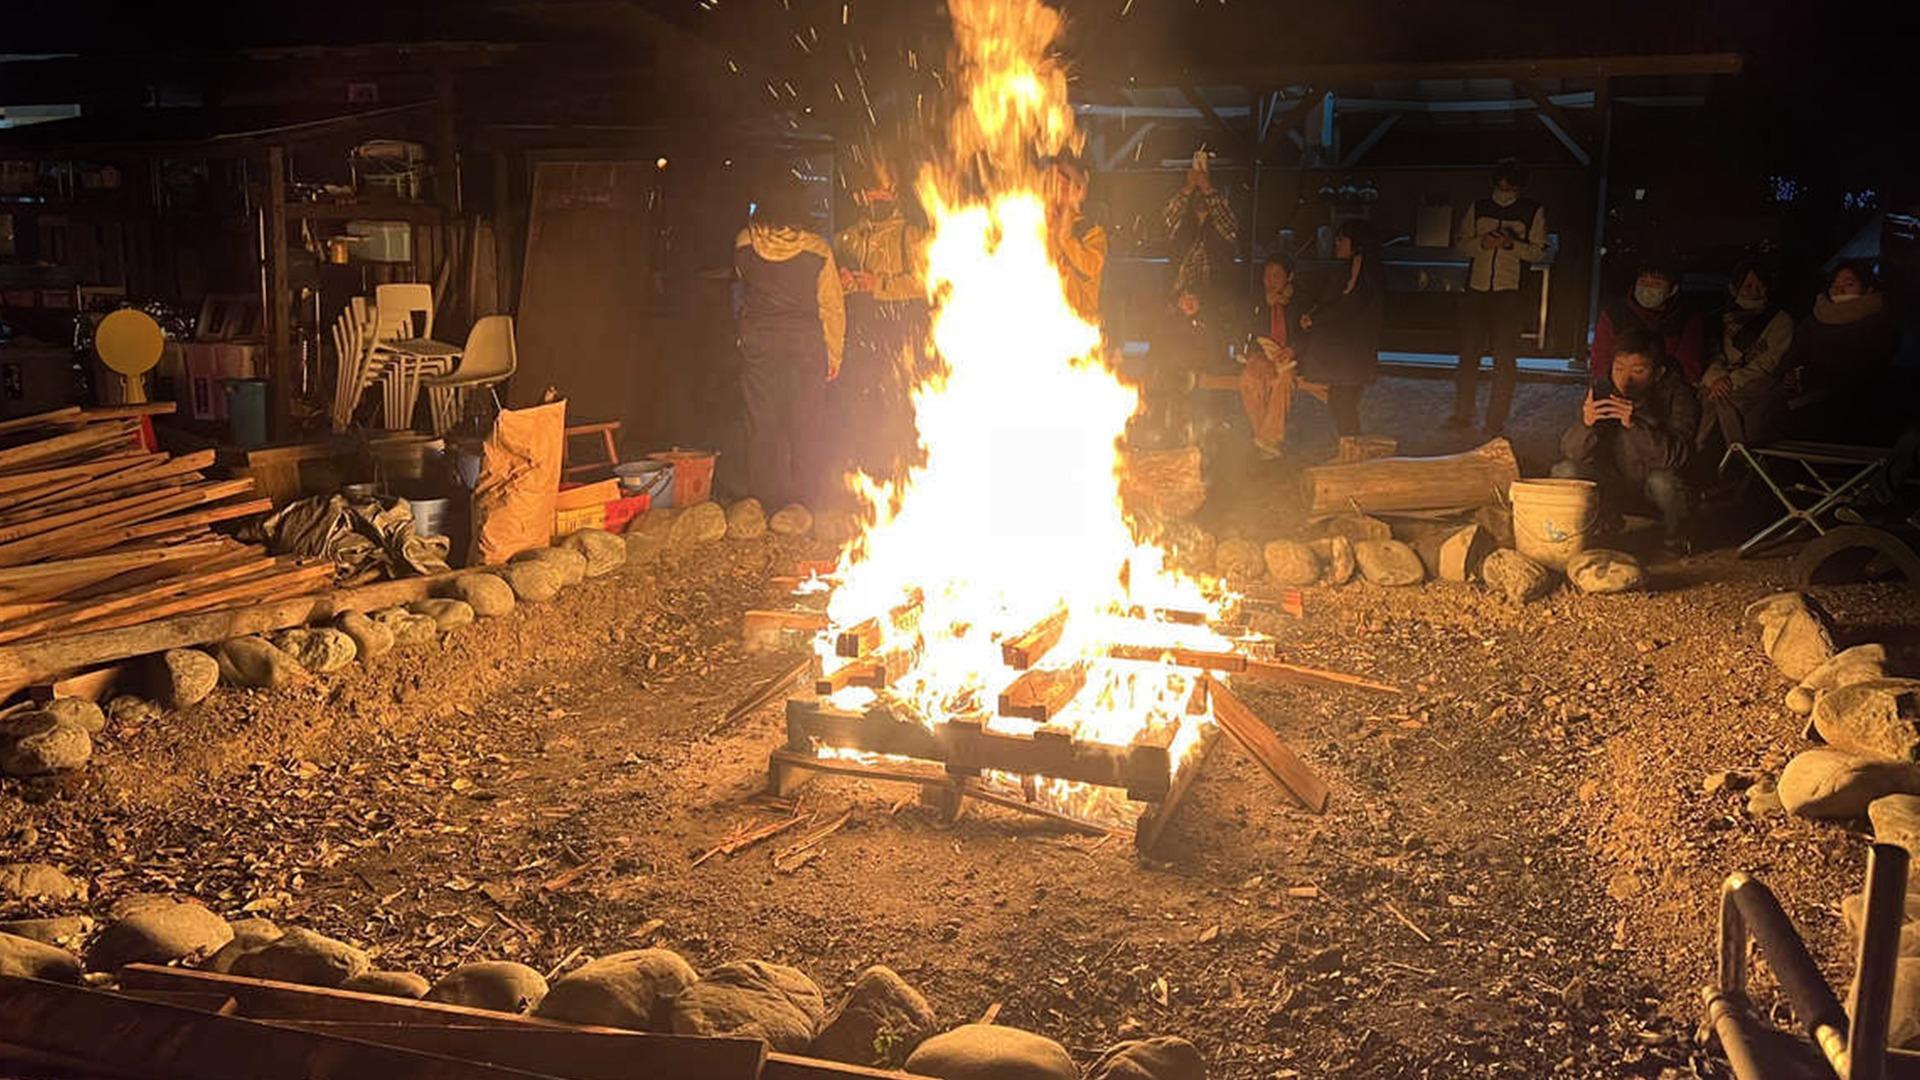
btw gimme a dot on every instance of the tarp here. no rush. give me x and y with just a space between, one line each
359 535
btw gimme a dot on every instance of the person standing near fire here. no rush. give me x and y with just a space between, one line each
1201 230
1267 381
1499 235
792 325
883 274
1079 244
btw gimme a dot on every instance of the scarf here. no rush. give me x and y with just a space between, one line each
1746 326
1826 311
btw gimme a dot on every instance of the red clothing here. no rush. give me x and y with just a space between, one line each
1681 331
1277 323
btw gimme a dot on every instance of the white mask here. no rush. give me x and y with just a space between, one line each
1505 198
1844 298
1649 296
1749 303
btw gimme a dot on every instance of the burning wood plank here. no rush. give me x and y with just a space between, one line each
1039 695
867 635
1267 748
1274 671
1026 649
1181 657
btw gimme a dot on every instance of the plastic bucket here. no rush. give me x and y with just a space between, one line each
246 411
650 477
1551 518
692 475
429 516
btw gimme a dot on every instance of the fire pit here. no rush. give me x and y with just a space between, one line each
1007 627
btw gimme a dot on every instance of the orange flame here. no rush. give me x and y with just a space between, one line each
1015 512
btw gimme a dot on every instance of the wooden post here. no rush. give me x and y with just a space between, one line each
1603 109
279 297
446 165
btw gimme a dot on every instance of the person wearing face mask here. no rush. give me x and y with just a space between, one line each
882 272
1652 303
1737 391
1499 234
1840 358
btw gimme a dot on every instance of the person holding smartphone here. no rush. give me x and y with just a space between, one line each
1499 234
1635 433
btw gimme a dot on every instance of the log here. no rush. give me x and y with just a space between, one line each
1168 484
1385 485
27 663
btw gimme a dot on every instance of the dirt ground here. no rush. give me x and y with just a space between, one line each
1515 876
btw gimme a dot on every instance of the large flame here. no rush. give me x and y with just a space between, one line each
1015 512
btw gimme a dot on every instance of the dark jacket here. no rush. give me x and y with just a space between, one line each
1680 328
1666 417
1843 347
1343 347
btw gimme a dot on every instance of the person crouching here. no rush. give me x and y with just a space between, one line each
1635 433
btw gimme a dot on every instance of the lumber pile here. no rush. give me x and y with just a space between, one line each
98 533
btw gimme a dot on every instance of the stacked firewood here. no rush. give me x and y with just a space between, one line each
98 532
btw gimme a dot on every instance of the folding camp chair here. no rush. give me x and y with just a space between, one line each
1835 475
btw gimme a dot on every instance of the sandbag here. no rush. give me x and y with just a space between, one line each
519 481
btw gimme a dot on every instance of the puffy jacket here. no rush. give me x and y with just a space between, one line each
1343 345
1680 329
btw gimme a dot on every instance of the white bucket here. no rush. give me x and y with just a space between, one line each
1551 518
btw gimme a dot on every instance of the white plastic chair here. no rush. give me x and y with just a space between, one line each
404 359
489 359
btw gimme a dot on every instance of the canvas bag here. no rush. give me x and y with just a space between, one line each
519 481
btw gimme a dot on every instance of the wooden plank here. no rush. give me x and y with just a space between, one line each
1025 650
1153 823
859 639
92 437
34 479
74 506
68 415
96 685
241 565
103 565
141 470
1274 755
1039 694
25 663
1181 657
1274 671
579 1054
293 581
169 526
64 486
127 1036
123 412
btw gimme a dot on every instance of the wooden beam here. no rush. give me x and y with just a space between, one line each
1039 694
1373 138
1288 123
1273 671
1026 649
279 297
1134 139
1560 67
1267 748
1570 132
1236 139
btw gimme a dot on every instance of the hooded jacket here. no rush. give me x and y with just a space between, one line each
792 285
